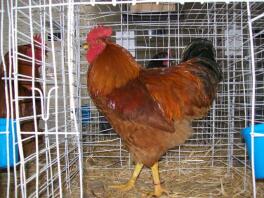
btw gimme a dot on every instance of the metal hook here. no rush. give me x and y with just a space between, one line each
42 102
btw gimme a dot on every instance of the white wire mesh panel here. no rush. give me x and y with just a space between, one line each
45 87
255 21
60 127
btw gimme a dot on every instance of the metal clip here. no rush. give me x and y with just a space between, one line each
42 102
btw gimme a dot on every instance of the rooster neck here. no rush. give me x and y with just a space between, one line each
112 69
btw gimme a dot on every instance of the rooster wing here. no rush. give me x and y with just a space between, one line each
185 91
133 103
159 97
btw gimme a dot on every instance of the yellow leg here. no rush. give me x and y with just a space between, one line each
131 183
158 190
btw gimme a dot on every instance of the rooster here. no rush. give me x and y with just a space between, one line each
151 109
24 66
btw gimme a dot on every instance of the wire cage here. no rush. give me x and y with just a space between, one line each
67 135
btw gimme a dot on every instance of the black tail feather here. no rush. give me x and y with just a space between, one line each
199 48
204 50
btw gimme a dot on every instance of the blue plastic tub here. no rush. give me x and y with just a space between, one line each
258 150
86 114
4 144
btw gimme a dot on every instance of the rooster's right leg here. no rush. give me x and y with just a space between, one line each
131 183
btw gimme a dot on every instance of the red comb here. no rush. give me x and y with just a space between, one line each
37 38
99 32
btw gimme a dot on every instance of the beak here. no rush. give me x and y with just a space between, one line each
85 46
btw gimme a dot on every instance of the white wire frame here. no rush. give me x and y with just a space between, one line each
218 133
59 158
6 84
256 52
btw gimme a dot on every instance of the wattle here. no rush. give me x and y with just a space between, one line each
93 52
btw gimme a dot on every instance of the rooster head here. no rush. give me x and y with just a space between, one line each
95 41
25 68
37 49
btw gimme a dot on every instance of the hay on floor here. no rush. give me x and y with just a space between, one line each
191 183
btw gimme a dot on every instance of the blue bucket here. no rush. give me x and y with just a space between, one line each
258 150
86 114
4 144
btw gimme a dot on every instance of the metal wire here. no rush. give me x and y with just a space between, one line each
72 128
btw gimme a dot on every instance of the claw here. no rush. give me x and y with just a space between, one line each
158 191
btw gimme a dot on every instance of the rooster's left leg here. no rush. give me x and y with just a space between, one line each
131 183
158 190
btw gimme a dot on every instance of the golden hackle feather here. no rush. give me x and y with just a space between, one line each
111 69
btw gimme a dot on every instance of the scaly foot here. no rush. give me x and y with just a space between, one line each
131 183
158 191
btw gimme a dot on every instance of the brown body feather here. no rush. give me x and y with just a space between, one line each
152 109
24 89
